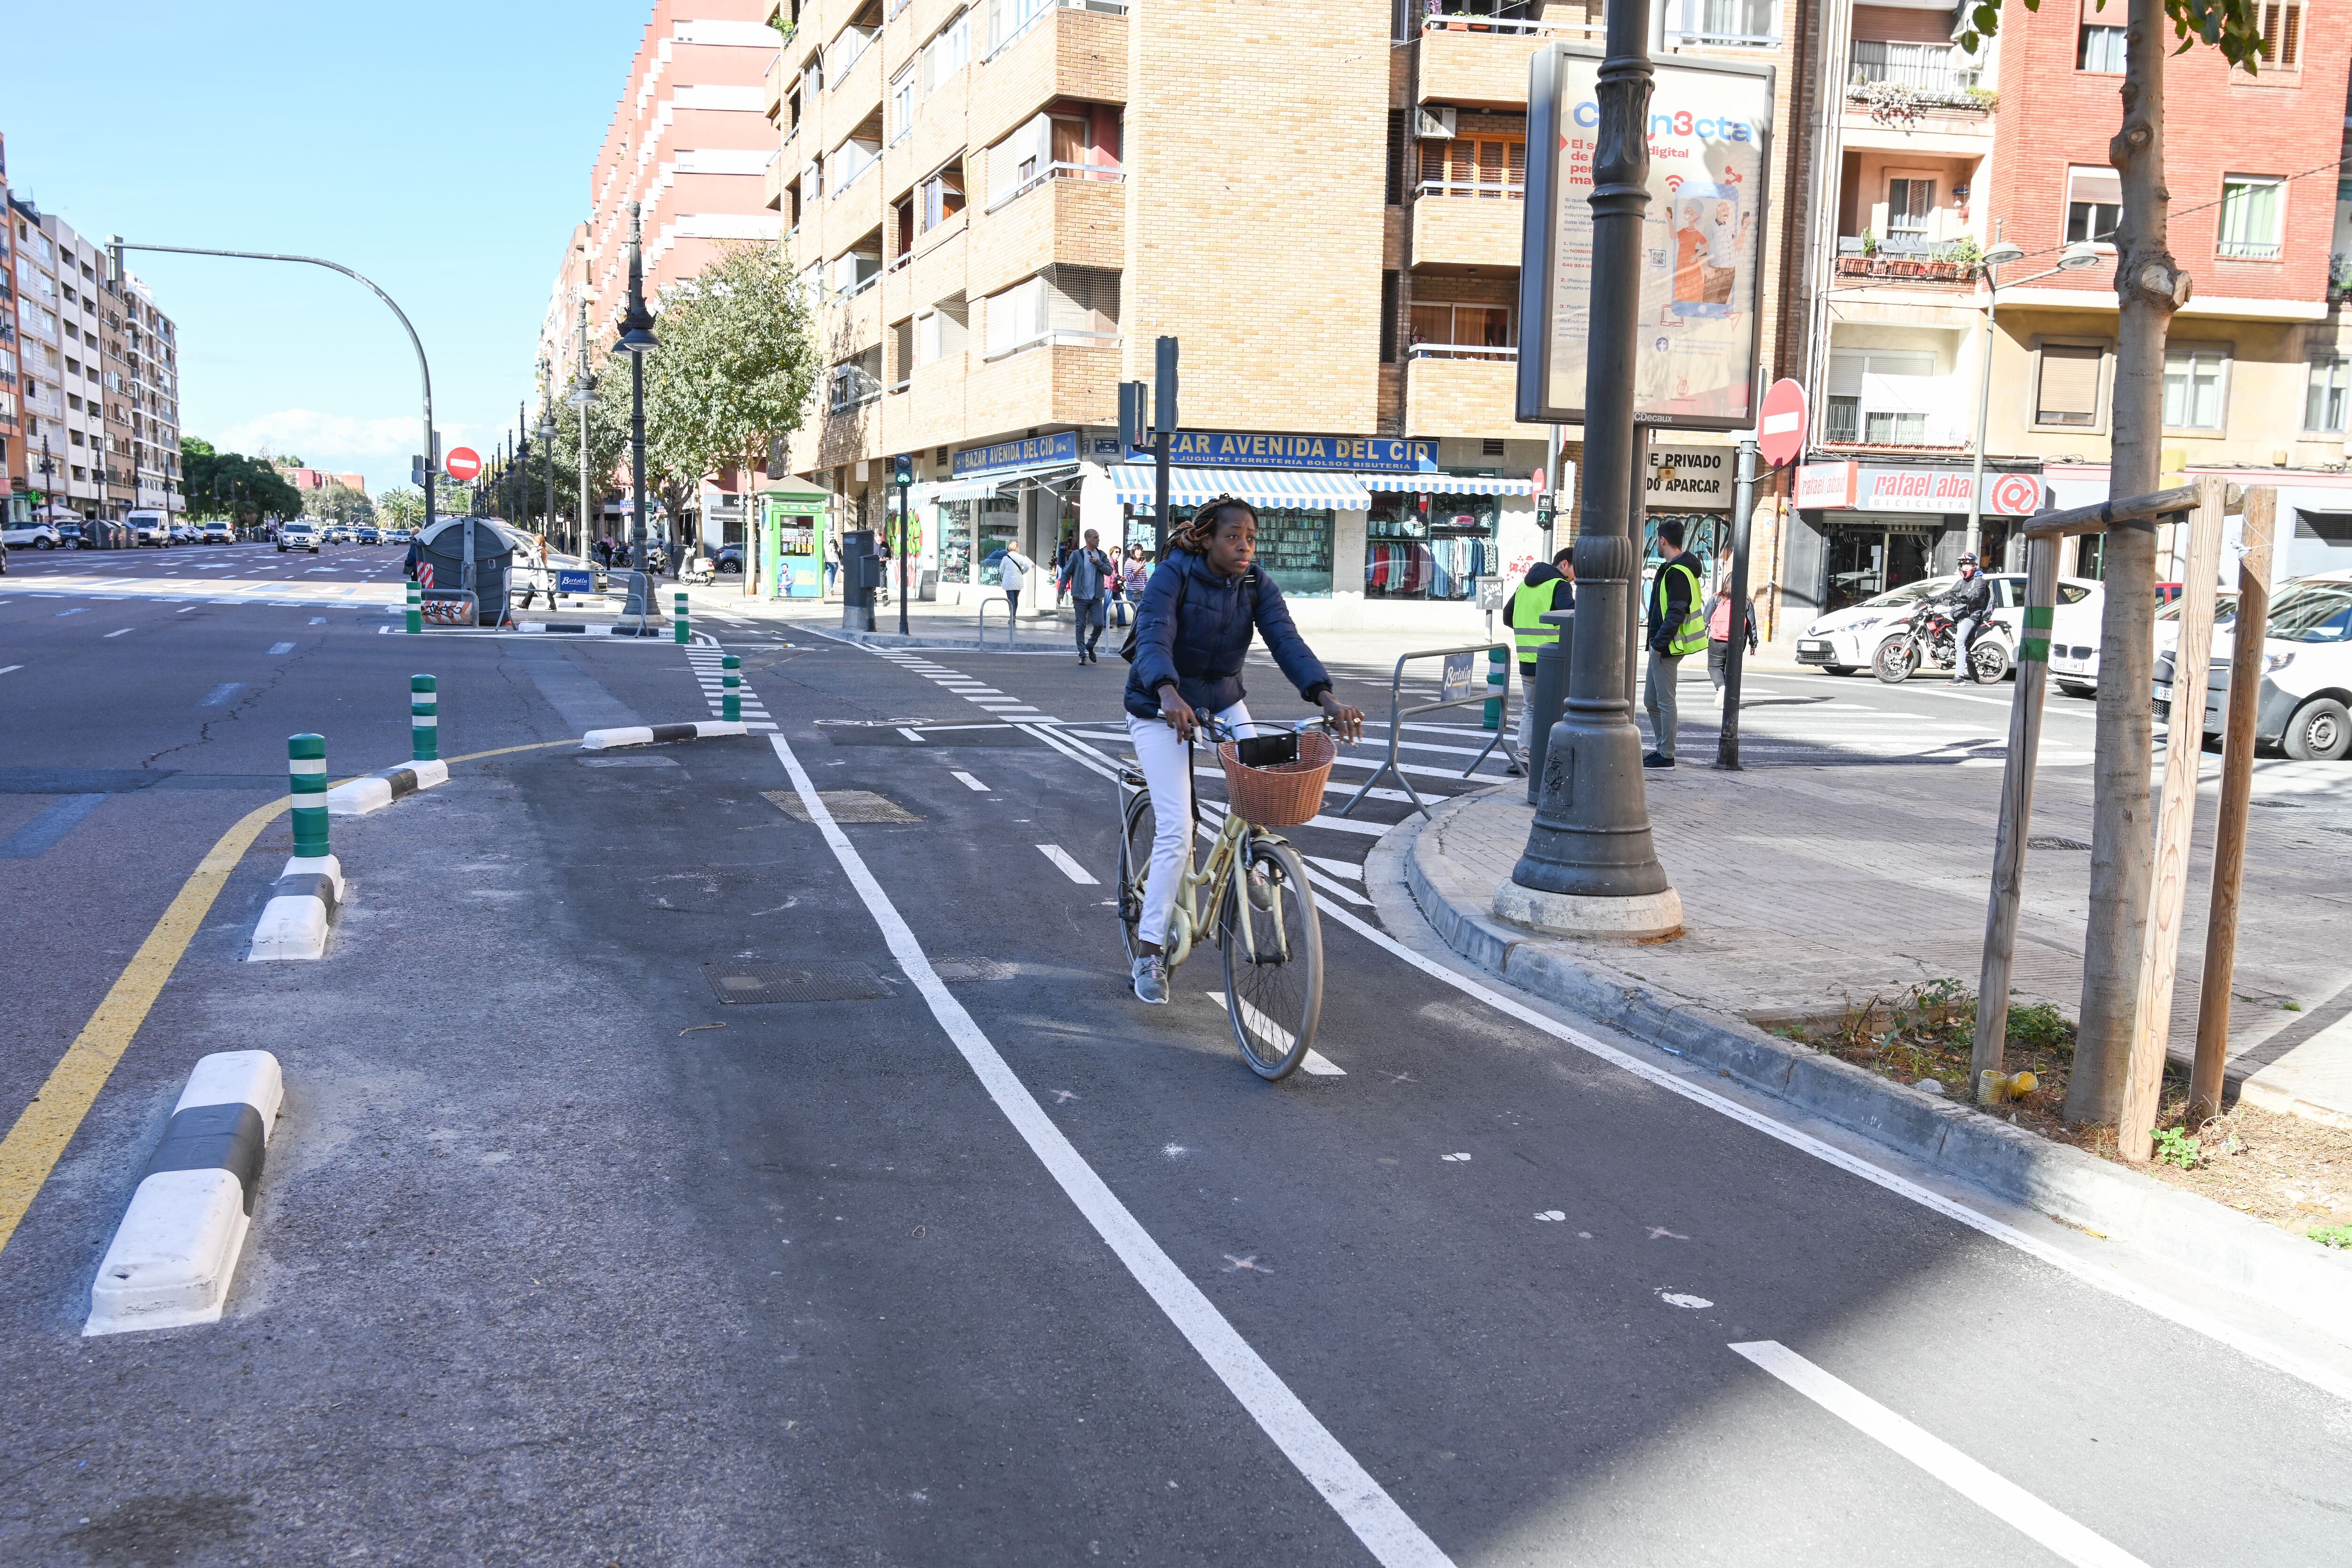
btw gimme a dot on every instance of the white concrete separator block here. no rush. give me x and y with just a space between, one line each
174 1254
359 796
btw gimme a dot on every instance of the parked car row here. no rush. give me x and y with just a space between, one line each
2305 708
1846 640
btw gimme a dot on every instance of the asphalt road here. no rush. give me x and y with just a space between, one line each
561 1257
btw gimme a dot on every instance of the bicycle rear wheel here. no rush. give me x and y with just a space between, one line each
1274 960
1134 859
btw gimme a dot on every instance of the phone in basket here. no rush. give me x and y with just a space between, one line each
1268 751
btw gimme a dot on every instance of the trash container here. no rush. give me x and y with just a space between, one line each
471 553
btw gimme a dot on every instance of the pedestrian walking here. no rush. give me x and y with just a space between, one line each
1549 585
1017 569
832 563
1718 634
1087 573
1676 631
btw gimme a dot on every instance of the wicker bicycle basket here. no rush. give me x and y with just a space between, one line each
1283 796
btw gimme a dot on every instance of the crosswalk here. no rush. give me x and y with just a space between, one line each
709 672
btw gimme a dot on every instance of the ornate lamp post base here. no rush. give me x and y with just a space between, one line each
1641 917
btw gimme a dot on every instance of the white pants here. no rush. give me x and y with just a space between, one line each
1166 768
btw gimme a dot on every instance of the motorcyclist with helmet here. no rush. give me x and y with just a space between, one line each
1969 601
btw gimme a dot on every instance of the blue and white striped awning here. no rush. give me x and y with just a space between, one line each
1132 484
1450 484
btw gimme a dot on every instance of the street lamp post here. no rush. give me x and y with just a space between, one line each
582 394
637 341
1590 865
432 453
2074 258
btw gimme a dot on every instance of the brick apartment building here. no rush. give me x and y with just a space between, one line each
689 143
1000 207
96 368
1939 155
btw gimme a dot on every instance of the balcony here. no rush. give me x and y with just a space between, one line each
1900 258
1459 226
1483 60
1446 393
1062 52
773 181
1888 115
1078 217
771 102
853 89
1049 383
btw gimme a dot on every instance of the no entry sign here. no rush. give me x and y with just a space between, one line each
463 463
1781 427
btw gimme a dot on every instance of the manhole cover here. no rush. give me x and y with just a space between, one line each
844 979
844 805
963 971
2056 844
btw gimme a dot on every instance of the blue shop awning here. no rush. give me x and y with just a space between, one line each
1132 484
1449 484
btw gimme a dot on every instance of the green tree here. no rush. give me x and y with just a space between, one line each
339 503
229 484
737 365
2149 286
403 506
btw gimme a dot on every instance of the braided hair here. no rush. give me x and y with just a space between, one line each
1195 536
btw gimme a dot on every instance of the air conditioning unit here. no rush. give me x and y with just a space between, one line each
1434 121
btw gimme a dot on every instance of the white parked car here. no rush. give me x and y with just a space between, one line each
2306 707
2074 666
30 536
1846 640
215 530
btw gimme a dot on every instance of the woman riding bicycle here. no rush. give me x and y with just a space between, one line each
1192 629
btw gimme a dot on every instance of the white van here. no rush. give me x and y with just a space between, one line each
149 527
2306 707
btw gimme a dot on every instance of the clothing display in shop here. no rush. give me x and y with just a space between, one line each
1437 568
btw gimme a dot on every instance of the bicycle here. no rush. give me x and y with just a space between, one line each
1265 917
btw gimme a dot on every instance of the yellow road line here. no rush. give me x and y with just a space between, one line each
33 1146
38 1139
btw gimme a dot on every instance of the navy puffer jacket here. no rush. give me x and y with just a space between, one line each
1193 626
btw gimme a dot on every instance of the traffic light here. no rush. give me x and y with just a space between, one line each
902 471
1134 415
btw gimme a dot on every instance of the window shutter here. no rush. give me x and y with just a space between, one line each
2070 385
1396 157
1391 294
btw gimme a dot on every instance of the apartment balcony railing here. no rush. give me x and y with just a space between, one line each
2250 249
1093 173
1045 9
1442 22
847 50
1921 66
1515 190
1722 40
1058 337
1507 352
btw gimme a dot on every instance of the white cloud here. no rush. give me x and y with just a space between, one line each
313 434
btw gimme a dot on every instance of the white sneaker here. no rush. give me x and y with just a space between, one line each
1152 980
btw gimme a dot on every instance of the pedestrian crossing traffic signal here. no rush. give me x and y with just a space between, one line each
902 471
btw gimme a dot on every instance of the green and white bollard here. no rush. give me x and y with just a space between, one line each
1498 671
730 692
415 606
306 783
424 718
677 616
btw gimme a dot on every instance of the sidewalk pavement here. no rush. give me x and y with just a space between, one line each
1804 887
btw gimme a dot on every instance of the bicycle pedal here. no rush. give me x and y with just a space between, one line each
1130 778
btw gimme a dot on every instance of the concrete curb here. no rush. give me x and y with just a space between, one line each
357 797
302 904
593 629
658 735
176 1250
2246 1255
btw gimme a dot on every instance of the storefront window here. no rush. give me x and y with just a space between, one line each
955 540
1706 534
1428 546
1294 546
1868 559
999 526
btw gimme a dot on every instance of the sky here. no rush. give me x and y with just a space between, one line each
441 149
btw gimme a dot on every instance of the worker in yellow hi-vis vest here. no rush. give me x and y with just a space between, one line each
1548 586
1676 631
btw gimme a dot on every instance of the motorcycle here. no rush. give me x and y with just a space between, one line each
699 573
1927 643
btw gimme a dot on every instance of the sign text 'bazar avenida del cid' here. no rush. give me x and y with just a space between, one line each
1255 449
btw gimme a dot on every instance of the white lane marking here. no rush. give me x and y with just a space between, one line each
10 668
184 612
969 781
2195 1320
1337 867
318 620
1385 1529
1070 869
1315 1062
914 735
124 633
281 647
1997 1495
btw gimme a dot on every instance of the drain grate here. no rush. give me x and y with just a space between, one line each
847 806
844 979
965 971
2056 844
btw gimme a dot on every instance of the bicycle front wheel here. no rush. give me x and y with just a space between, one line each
1274 960
1134 860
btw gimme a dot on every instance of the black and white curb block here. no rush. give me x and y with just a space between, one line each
359 796
596 629
656 734
177 1248
302 903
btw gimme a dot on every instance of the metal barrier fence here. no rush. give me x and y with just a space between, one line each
1009 637
1461 685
